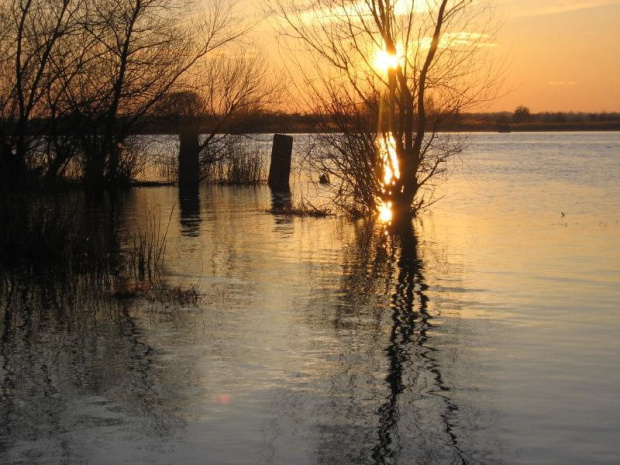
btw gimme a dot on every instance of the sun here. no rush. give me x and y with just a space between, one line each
385 61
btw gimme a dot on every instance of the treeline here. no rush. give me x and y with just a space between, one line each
271 122
77 77
523 115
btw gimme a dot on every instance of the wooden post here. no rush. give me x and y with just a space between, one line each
280 169
189 200
189 158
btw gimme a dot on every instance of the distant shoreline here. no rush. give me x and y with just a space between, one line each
543 127
512 128
271 123
313 124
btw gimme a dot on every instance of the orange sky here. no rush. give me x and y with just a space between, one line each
563 55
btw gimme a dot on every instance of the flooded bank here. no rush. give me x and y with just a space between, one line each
487 333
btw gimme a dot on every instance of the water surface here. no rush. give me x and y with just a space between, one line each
488 333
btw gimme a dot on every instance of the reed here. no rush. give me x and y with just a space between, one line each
145 256
37 231
60 239
243 165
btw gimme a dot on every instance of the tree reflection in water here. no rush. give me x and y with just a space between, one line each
190 218
389 401
281 201
411 322
74 365
364 376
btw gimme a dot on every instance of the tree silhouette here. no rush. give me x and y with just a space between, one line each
521 114
77 77
388 74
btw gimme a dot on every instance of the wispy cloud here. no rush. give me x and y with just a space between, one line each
561 83
357 10
460 39
549 7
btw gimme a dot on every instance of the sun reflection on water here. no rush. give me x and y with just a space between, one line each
391 173
385 212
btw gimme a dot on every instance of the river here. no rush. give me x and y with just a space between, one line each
489 333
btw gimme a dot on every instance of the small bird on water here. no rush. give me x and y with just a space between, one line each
563 215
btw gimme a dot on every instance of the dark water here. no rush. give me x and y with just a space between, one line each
488 333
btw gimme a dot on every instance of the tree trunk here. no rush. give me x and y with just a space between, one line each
189 158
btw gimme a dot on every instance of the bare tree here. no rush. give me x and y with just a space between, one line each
388 73
222 96
236 88
32 35
77 77
134 53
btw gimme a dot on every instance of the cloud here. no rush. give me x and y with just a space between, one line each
561 83
550 7
358 9
460 39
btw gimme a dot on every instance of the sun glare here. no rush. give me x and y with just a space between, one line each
384 60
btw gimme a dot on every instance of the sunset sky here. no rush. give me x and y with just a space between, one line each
565 54
562 55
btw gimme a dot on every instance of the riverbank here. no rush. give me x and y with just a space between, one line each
313 124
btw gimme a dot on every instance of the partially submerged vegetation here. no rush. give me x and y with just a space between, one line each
157 291
282 204
54 232
145 253
237 160
68 238
79 78
302 211
388 76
